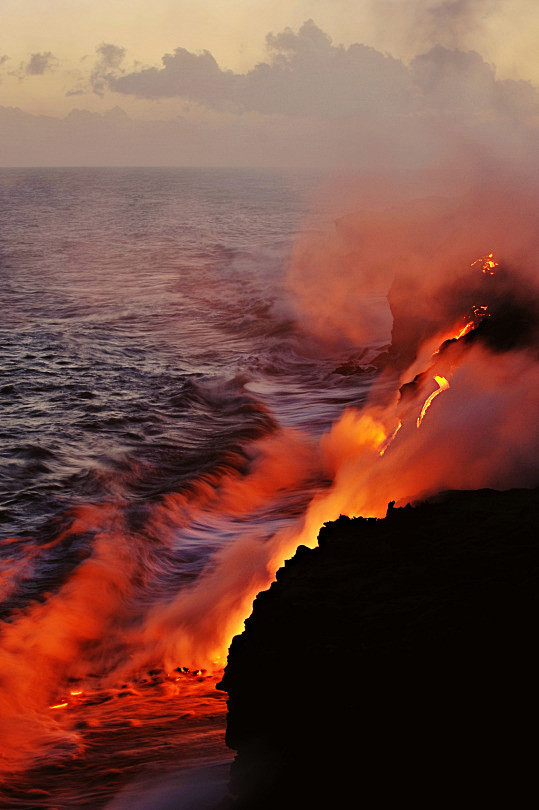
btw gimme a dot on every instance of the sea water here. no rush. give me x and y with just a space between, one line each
154 381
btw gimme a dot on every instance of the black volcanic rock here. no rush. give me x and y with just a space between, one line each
394 663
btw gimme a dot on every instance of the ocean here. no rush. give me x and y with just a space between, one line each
160 402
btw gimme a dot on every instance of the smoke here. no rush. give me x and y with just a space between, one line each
63 637
399 264
453 267
432 257
460 277
107 624
423 23
487 26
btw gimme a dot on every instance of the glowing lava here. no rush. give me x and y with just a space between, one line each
390 438
487 264
465 329
443 386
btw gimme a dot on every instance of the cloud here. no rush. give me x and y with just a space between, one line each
110 58
39 64
3 60
311 103
186 75
307 75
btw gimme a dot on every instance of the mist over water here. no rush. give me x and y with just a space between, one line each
200 368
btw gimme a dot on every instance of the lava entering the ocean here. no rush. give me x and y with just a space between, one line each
475 334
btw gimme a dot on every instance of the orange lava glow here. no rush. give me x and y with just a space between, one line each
465 329
487 264
390 438
443 386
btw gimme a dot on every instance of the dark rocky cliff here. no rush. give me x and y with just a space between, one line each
394 662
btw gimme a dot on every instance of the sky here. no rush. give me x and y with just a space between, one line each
258 82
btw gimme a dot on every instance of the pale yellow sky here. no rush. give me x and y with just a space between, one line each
505 33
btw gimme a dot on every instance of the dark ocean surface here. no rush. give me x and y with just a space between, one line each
148 345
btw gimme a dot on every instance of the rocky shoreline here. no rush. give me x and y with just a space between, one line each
395 661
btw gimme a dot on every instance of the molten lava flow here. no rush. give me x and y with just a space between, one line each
443 386
487 264
390 438
465 329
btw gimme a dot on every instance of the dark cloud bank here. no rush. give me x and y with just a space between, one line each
312 103
307 75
